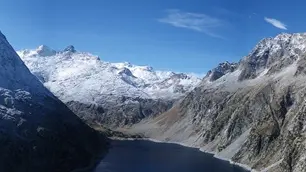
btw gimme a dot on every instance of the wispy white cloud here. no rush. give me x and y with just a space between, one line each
193 21
276 23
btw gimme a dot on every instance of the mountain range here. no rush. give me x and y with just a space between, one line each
250 112
101 92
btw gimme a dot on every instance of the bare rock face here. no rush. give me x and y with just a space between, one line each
253 115
126 112
220 70
37 131
273 54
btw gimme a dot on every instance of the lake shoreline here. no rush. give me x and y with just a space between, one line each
246 167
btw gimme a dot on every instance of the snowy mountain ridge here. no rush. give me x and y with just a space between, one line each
114 94
73 75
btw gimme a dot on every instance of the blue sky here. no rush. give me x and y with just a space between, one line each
186 35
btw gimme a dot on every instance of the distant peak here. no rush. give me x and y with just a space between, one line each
220 70
70 48
128 64
146 68
283 36
43 47
44 50
226 64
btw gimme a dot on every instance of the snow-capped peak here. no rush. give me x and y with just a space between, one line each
221 70
83 77
123 65
269 57
41 50
281 41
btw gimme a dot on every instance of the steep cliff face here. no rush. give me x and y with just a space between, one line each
220 70
128 111
37 131
271 55
253 115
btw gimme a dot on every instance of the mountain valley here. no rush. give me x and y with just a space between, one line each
251 112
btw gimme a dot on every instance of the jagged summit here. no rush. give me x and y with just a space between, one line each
273 54
268 57
283 40
131 66
220 70
44 50
70 48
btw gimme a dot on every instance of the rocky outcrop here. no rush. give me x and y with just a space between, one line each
126 112
69 48
220 70
253 115
37 131
273 54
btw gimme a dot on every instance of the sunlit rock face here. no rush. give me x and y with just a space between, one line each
252 112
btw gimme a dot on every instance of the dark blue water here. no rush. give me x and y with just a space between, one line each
147 156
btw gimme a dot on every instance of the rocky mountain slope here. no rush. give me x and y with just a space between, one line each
114 94
252 112
37 131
